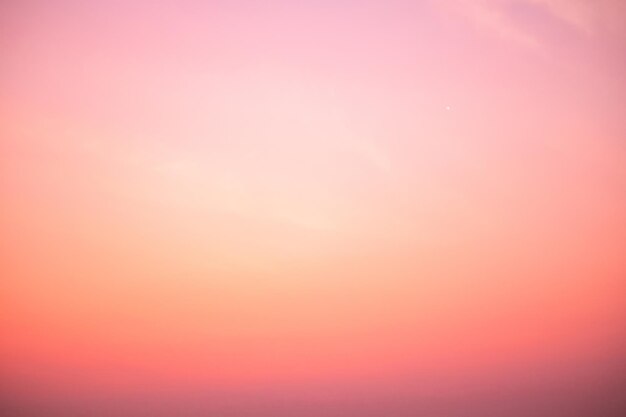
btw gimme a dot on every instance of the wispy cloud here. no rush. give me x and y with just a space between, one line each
588 18
492 16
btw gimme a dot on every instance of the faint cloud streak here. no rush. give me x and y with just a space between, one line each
588 18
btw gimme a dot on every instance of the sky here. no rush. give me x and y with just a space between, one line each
305 208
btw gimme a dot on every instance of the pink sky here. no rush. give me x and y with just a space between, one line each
311 199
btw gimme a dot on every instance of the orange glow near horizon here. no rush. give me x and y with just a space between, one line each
300 198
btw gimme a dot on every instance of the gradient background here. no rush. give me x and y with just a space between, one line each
313 208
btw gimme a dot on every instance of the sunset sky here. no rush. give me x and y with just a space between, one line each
313 208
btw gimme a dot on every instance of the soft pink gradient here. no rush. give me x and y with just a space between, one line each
313 208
